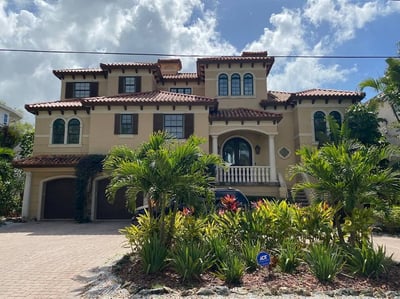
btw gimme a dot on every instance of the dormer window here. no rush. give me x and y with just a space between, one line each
81 89
129 84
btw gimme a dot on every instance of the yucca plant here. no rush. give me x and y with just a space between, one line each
190 260
231 269
153 254
325 261
290 255
366 261
250 249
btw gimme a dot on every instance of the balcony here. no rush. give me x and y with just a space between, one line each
244 175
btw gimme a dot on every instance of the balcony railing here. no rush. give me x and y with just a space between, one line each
244 174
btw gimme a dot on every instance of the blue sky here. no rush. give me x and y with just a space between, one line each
204 27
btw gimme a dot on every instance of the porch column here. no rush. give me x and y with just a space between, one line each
27 194
272 163
214 144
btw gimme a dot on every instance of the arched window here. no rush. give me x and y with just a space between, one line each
58 131
237 152
248 85
320 127
73 131
235 85
223 85
337 117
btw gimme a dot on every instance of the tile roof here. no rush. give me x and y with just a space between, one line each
181 76
317 92
244 114
158 97
117 65
235 59
290 98
88 71
48 161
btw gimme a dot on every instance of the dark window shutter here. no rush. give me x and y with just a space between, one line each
94 89
138 84
135 124
69 90
189 125
121 81
117 124
158 122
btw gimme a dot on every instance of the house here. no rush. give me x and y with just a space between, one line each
227 101
8 115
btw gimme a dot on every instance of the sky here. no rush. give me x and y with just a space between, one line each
195 27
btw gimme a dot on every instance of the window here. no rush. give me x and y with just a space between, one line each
74 128
126 124
248 85
320 127
81 89
5 119
223 85
179 125
235 85
58 131
129 84
337 117
186 90
72 133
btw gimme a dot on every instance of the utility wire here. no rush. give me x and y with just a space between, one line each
192 55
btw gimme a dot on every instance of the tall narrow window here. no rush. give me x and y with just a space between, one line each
235 85
58 131
74 128
248 85
223 85
5 119
337 117
320 127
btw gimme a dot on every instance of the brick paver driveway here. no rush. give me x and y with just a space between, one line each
55 259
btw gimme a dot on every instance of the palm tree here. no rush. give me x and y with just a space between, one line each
347 176
165 170
389 84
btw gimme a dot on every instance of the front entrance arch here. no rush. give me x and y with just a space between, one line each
237 152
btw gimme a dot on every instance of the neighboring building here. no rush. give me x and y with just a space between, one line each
390 125
8 115
227 101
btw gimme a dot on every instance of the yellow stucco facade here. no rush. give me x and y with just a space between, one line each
226 101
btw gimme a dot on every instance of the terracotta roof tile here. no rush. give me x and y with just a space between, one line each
317 92
235 59
181 76
48 160
244 114
153 97
117 65
159 97
278 96
88 71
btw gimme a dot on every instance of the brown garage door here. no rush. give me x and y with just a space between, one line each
106 210
59 202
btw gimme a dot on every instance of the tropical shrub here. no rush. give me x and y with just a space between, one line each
231 269
367 261
190 260
325 261
388 221
250 250
290 255
153 254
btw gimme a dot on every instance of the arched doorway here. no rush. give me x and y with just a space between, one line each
237 152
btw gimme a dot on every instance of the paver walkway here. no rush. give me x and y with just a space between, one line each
55 259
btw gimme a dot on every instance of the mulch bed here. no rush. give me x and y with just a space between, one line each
130 271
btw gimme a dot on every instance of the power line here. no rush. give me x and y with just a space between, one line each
192 55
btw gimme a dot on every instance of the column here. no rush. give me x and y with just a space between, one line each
27 195
214 144
272 163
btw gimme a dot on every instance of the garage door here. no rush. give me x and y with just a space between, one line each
59 199
106 210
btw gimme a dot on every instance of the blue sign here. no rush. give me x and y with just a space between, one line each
263 259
